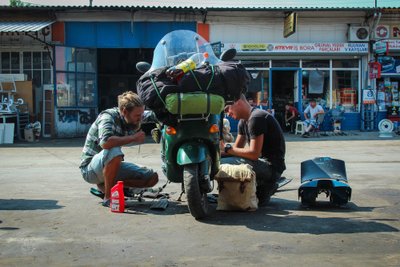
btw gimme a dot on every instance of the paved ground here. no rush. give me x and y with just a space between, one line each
48 217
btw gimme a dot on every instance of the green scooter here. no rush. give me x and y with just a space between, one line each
190 148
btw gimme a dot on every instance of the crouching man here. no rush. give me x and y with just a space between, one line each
102 158
266 146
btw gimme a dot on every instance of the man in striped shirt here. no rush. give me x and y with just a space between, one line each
102 158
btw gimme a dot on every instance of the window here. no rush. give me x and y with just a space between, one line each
345 63
256 64
35 65
316 86
285 63
345 89
5 62
315 64
76 77
258 94
15 62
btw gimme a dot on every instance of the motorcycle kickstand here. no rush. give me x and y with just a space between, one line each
181 194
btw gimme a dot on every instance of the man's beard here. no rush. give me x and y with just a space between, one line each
132 126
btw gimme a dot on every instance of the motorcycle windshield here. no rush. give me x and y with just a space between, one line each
178 46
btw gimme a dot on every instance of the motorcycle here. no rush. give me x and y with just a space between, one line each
190 148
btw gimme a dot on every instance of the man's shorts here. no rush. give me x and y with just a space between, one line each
312 122
93 172
265 173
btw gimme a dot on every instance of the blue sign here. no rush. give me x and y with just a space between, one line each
389 65
380 47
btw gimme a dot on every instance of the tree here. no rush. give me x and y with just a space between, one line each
16 3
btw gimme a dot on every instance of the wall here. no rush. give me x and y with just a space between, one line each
268 27
74 122
120 34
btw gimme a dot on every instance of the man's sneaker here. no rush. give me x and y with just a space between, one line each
264 194
306 135
156 135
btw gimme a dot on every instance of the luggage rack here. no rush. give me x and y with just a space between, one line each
196 118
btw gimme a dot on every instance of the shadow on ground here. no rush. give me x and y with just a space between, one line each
8 228
277 217
29 204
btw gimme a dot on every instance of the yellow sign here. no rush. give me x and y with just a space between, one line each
289 26
253 47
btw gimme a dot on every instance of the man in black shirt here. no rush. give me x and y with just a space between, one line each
266 146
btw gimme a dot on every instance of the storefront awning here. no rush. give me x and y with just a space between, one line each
23 26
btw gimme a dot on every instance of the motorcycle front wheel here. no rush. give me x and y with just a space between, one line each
197 200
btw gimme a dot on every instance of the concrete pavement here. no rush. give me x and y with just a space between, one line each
48 217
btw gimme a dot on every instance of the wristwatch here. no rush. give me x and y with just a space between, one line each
227 147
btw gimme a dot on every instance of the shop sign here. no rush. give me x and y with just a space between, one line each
382 32
374 70
381 47
390 65
216 47
289 26
387 31
368 97
393 45
22 38
253 47
395 32
297 48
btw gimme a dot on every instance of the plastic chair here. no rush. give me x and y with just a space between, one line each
337 117
299 127
320 119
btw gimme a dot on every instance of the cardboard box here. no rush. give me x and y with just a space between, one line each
28 135
24 91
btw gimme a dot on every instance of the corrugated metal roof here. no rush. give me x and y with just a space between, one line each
23 26
218 4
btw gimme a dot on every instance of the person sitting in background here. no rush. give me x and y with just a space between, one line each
291 116
226 132
310 114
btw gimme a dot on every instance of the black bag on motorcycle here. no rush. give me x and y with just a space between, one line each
235 78
148 93
206 78
227 79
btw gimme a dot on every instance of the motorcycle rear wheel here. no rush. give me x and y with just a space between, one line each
197 200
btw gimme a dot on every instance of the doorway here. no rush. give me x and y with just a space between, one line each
117 73
284 87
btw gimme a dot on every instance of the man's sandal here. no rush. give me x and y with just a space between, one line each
97 193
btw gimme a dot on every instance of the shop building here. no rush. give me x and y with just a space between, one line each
85 56
386 52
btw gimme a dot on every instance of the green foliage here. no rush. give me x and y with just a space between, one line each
17 3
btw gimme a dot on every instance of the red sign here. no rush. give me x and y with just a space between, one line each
382 31
374 70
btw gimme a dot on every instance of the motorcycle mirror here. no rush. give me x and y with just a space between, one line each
143 66
228 54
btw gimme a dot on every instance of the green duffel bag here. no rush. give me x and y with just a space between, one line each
194 103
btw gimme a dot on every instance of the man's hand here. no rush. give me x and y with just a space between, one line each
139 137
222 148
